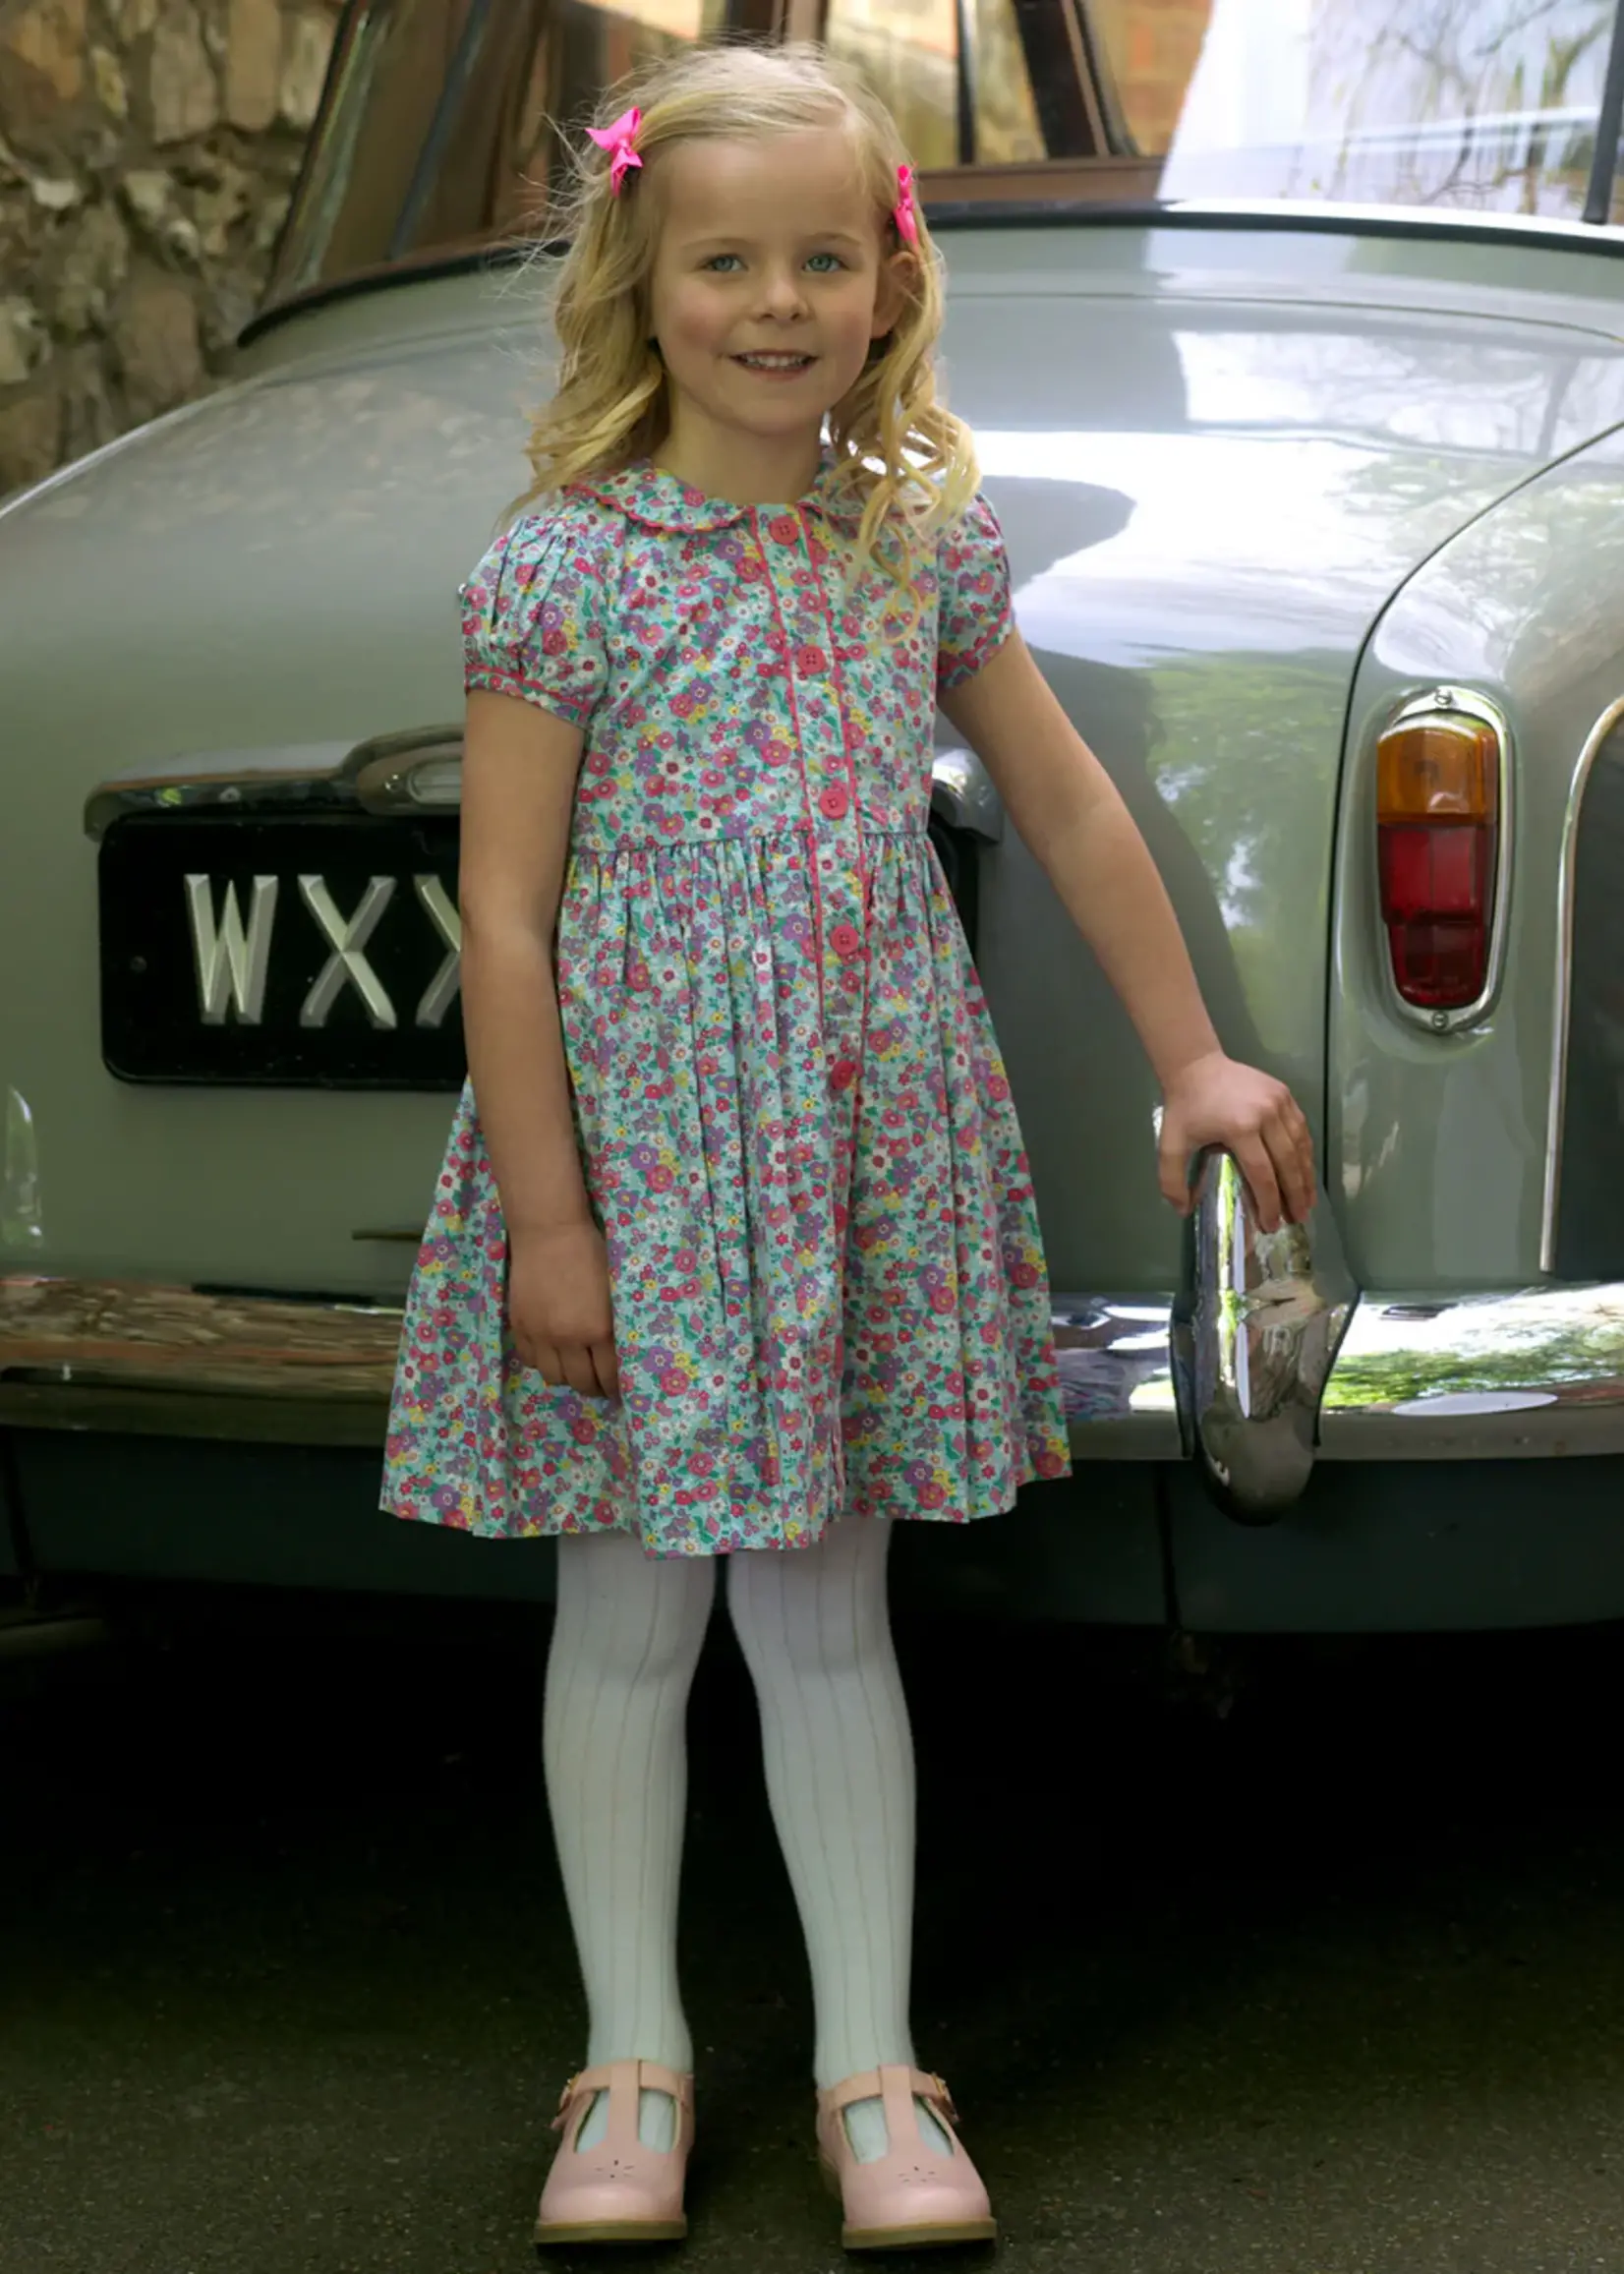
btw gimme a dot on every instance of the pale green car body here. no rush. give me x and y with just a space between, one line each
1264 478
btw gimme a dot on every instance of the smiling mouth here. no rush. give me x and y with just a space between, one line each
783 364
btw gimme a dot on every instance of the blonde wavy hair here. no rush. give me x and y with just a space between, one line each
899 451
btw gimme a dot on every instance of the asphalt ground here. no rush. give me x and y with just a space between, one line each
1328 1982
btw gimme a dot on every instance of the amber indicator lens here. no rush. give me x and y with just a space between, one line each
1437 850
1440 770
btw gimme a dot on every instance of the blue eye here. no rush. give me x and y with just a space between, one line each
718 260
833 259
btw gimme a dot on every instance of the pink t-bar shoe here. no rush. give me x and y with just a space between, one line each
618 2190
914 2196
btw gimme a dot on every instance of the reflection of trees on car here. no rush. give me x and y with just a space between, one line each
1535 1342
1453 102
1246 804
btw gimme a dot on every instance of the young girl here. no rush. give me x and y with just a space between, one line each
736 1255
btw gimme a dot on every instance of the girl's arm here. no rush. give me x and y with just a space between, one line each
518 786
1068 810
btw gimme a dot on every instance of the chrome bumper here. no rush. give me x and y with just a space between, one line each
1268 1359
1271 1358
117 1355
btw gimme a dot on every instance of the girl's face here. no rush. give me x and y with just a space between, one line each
770 280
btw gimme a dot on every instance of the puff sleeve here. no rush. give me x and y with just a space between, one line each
974 613
533 617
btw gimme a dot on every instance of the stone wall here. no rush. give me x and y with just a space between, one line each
148 151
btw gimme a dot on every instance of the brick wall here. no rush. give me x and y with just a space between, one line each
1153 45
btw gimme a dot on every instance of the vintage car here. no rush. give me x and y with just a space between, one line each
1291 332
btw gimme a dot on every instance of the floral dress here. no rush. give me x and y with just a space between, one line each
797 1132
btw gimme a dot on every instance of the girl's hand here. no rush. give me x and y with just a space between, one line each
559 1308
1216 1102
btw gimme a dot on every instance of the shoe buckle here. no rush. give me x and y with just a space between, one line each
945 2098
564 2099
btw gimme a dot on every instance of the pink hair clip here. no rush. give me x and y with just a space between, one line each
618 140
903 213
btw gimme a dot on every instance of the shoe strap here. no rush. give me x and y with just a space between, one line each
897 2087
623 2081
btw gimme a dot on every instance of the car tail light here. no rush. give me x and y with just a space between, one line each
1440 793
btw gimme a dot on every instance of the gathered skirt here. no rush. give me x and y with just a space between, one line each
826 1270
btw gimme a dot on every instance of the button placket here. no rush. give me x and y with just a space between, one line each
838 845
834 841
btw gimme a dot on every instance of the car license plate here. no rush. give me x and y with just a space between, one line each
315 951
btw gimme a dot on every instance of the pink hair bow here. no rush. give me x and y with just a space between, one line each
618 140
903 213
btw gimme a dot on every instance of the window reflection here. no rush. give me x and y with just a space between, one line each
440 133
441 130
1007 130
910 51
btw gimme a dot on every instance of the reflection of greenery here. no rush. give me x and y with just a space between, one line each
1391 1378
1428 483
1245 752
1544 1346
1517 568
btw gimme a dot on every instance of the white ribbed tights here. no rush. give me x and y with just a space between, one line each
813 1626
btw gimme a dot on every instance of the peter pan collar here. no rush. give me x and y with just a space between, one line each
646 494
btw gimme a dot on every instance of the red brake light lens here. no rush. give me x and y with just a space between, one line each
1438 841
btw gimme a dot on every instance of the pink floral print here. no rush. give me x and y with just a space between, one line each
797 1132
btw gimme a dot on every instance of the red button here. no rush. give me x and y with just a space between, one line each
846 940
843 1074
834 803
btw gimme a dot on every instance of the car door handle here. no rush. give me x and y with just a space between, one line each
963 795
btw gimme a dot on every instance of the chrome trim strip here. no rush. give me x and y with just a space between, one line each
1467 702
274 775
1255 1331
1487 1376
378 777
1409 220
91 1354
383 771
283 776
1418 223
1561 999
